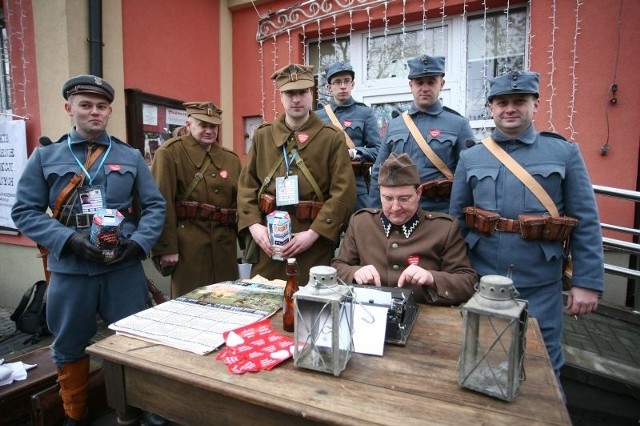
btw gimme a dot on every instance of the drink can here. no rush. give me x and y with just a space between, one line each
279 226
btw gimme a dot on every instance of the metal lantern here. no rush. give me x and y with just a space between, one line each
324 323
493 339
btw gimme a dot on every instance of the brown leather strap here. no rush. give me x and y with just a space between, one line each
337 123
424 146
75 181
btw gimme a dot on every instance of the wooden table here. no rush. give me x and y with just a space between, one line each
411 385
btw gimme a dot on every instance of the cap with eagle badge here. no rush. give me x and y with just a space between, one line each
294 77
336 68
513 83
204 111
426 66
86 83
398 170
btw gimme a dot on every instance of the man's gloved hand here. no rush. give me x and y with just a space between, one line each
128 249
82 247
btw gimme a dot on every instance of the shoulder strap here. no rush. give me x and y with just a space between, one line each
424 146
523 175
197 178
272 171
307 173
336 123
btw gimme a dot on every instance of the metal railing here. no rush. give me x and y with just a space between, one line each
631 272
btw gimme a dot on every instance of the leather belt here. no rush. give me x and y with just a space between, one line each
508 225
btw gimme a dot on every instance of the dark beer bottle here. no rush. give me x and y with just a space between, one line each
288 316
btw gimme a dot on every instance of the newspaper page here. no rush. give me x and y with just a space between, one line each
196 321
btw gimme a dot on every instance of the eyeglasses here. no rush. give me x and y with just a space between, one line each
346 82
401 199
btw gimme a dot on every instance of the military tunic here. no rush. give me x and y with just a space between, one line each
431 241
321 147
360 124
207 249
536 266
445 131
79 288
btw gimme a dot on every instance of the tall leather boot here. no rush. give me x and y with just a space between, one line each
73 378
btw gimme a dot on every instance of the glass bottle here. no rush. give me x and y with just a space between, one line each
288 315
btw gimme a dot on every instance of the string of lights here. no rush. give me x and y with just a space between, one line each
262 93
531 36
290 47
442 26
404 33
275 68
574 78
552 64
508 39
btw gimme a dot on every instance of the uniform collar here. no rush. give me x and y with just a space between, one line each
348 103
197 154
434 109
281 132
527 137
102 139
407 228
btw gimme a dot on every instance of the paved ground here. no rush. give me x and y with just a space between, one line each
601 377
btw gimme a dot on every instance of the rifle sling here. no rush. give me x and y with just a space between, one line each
336 122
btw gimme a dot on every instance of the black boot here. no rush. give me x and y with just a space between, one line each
152 419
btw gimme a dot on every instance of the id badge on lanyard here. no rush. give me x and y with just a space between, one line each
91 198
287 186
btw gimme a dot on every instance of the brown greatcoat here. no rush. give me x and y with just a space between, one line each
322 147
207 249
435 243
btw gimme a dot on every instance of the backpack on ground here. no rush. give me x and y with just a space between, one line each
30 315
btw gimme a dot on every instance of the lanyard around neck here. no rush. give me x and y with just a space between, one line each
84 170
288 159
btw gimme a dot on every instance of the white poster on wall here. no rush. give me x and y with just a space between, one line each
13 159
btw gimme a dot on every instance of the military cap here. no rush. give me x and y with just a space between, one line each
398 170
336 68
294 77
86 83
204 111
514 82
426 66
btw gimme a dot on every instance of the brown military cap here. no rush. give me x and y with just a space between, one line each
294 77
398 170
204 111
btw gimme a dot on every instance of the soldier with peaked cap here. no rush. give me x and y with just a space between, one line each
82 281
199 179
413 248
483 182
299 164
441 129
358 123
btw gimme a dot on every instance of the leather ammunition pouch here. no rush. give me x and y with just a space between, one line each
480 220
531 226
437 188
304 210
548 228
192 210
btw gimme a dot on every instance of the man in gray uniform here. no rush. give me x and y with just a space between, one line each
434 144
487 190
358 123
84 282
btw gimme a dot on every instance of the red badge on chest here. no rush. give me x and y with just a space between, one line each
347 123
303 137
414 259
434 133
115 167
224 174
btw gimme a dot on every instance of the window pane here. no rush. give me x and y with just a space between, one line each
387 55
491 53
330 52
384 112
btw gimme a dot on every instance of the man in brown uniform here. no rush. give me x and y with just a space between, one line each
403 245
199 179
306 160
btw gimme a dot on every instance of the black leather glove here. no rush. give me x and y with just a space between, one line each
128 249
82 247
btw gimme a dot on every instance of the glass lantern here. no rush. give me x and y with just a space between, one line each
324 323
493 339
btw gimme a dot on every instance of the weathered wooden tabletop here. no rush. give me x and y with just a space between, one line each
414 384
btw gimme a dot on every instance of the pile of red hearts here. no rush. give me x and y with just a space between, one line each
254 347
